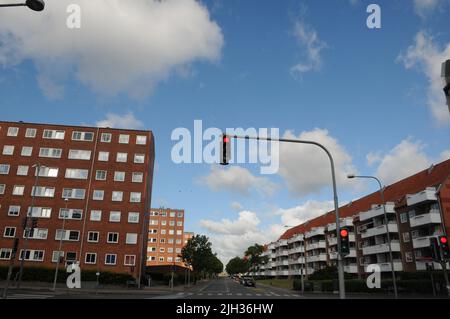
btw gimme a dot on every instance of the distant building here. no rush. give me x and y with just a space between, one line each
105 174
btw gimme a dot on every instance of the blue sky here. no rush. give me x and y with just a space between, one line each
312 68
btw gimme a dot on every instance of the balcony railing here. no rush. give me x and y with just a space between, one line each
433 217
379 230
315 232
386 266
346 222
316 245
381 248
297 250
377 211
429 194
316 258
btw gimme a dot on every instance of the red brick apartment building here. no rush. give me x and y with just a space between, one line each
418 207
166 238
105 174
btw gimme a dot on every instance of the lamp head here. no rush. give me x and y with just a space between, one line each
351 176
35 5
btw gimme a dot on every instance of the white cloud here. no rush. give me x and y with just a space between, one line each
125 121
309 40
236 206
297 215
405 159
423 8
122 46
230 238
238 180
427 57
306 168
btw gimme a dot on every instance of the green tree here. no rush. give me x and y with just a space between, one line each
237 266
197 253
215 266
255 258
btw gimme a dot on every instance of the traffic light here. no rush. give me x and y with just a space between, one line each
345 244
443 243
225 150
34 222
434 247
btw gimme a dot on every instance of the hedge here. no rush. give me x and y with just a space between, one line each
48 275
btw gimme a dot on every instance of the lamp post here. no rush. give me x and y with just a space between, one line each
35 5
29 213
335 196
387 227
66 200
446 79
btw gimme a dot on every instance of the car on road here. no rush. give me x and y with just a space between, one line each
248 282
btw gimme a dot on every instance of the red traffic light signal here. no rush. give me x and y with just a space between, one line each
443 240
225 150
344 232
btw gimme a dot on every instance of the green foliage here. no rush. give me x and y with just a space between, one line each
253 253
237 266
198 253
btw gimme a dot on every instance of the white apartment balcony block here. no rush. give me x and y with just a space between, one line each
345 222
421 242
271 246
377 210
297 261
433 217
352 254
315 232
272 255
282 242
422 265
296 238
316 245
283 273
297 250
282 263
429 194
379 230
316 258
272 273
386 266
280 253
351 269
382 248
272 264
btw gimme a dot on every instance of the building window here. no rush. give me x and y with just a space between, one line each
169 259
139 158
113 238
138 177
83 136
13 131
162 240
129 260
412 214
141 140
30 133
2 189
408 257
106 138
32 255
26 151
5 253
100 175
48 171
161 259
178 241
75 173
103 156
163 214
110 259
119 176
170 250
135 197
163 223
8 150
406 237
93 236
74 193
75 214
163 231
121 157
67 235
35 233
98 194
91 258
96 215
172 223
403 218
14 210
57 254
42 191
71 257
171 232
172 214
180 215
4 169
53 134
131 239
50 152
117 196
153 231
179 232
133 218
114 217
124 139
18 190
84 155
40 212
179 224
153 222
9 232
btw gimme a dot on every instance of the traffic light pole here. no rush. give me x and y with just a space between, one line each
444 269
336 205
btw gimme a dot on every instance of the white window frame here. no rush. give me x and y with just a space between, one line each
10 228
71 212
97 192
33 132
131 239
40 212
133 257
137 177
80 155
93 213
18 187
82 136
73 192
103 156
103 173
106 138
118 174
112 213
8 150
54 134
6 253
52 152
124 139
132 218
36 233
403 218
13 131
5 172
90 262
141 140
2 189
26 151
14 208
106 259
77 173
93 232
60 255
136 156
115 196
32 252
45 172
135 197
121 157
66 234
110 241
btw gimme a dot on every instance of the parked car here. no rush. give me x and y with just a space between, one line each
248 282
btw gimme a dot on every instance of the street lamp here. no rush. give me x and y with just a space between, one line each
350 176
35 5
446 77
302 268
66 200
30 213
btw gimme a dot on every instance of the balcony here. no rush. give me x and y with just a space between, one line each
381 248
316 245
271 246
433 217
282 242
332 241
282 263
422 265
377 210
351 269
297 250
282 253
346 222
317 231
296 238
316 258
421 242
283 273
429 194
379 230
386 266
352 254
